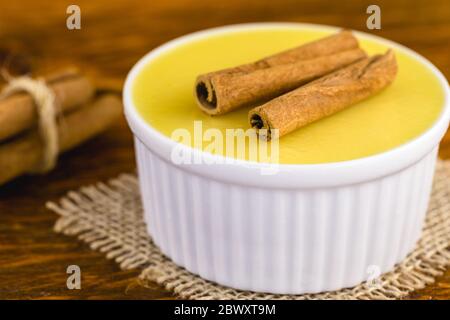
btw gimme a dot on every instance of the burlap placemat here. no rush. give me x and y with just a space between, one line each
108 217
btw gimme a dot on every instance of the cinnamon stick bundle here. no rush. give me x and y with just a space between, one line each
326 95
24 152
18 112
225 90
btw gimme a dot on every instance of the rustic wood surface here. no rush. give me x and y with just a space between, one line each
114 35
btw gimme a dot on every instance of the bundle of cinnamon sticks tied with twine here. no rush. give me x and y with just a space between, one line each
296 87
40 118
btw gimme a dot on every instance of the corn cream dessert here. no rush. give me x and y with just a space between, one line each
163 95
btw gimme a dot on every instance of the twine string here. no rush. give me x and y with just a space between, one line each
45 102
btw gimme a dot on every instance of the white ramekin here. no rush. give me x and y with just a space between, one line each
306 229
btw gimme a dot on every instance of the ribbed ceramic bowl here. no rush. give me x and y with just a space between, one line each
309 228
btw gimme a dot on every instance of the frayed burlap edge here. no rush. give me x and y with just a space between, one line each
108 217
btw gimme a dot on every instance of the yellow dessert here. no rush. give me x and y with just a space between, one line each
163 95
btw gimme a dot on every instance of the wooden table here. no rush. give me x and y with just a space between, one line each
114 35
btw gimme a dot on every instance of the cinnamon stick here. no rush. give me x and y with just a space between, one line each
325 96
17 112
22 153
225 90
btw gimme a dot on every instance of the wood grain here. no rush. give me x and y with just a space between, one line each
114 35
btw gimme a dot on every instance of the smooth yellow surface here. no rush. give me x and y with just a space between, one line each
163 95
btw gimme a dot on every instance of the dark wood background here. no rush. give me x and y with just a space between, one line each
114 35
